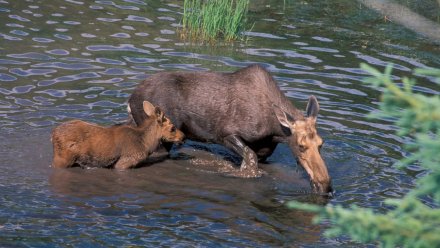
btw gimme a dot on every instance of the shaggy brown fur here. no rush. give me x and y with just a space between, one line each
243 110
121 146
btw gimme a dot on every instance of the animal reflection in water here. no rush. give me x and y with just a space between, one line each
155 196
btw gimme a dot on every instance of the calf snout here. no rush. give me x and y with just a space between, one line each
180 139
176 136
169 132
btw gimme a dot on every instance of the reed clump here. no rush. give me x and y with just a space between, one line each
211 20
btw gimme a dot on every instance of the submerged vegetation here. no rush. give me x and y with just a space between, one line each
412 222
210 20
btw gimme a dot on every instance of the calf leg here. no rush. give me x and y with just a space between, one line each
250 160
62 161
126 163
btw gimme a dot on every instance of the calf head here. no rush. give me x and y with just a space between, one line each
168 132
306 145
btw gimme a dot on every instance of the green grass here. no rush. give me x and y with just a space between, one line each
210 20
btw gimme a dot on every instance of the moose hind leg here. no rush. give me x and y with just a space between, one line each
249 165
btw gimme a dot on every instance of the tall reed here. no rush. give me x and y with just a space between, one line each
209 20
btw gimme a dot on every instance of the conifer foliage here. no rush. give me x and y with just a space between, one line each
411 222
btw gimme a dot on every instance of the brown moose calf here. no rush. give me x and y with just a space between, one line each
121 146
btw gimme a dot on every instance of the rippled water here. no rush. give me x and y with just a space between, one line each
70 59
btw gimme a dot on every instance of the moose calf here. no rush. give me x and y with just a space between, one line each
121 146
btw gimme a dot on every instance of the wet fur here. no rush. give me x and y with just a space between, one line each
79 143
244 108
241 110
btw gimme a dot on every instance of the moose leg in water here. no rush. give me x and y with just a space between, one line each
249 165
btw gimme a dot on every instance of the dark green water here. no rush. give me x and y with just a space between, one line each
68 59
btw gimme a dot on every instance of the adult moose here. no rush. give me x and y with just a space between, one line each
244 111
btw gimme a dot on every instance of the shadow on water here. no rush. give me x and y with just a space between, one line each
81 59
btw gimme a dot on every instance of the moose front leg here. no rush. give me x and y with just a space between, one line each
249 165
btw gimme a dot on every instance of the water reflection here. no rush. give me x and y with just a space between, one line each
82 59
211 209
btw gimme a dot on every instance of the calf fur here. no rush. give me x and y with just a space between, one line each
121 146
244 111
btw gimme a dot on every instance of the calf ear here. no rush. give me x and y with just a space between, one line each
312 108
284 118
149 108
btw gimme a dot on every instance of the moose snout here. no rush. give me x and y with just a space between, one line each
323 188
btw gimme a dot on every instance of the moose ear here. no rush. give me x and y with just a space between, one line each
149 108
312 108
284 118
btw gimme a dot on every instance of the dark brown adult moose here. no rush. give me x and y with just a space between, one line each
244 111
120 146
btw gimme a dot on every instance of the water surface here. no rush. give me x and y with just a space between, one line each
62 60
